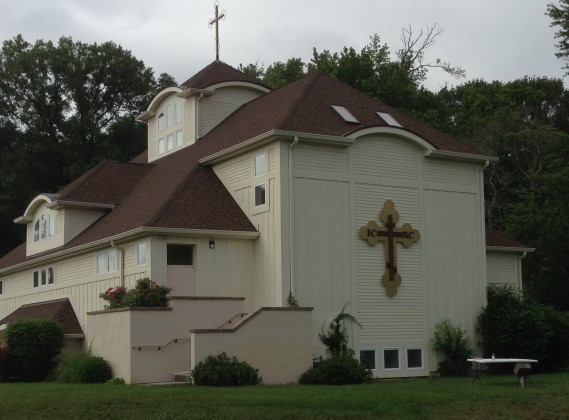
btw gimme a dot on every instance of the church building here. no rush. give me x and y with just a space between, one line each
246 196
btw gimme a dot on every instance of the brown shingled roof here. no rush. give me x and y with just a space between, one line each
494 237
218 72
59 310
99 185
175 191
306 106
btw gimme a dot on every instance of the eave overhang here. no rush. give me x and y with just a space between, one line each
128 236
271 136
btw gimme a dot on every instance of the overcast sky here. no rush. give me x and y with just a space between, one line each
490 39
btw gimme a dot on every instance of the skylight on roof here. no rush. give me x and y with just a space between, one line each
388 119
345 114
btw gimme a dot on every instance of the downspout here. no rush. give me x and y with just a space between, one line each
121 253
290 219
198 116
485 165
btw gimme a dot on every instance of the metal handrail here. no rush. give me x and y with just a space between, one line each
172 341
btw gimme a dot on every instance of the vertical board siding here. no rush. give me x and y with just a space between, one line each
453 255
265 278
320 162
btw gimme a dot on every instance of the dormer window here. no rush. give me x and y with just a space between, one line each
44 227
170 127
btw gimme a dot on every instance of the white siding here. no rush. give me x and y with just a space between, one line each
48 243
75 278
504 269
215 108
336 191
76 221
238 177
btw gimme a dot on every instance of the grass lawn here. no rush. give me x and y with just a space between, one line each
545 396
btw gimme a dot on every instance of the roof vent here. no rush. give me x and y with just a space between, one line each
388 119
345 114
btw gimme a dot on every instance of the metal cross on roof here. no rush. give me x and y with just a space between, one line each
390 235
215 21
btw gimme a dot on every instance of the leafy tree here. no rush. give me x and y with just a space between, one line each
560 17
279 74
63 108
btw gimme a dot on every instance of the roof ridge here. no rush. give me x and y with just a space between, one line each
314 76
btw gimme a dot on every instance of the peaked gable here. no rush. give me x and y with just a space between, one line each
219 72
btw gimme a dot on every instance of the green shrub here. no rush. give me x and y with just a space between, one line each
514 326
146 294
338 370
34 346
222 370
456 346
115 381
6 373
336 338
85 368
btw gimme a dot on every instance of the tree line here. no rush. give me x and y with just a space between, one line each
64 107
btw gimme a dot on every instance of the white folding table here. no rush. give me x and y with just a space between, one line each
522 367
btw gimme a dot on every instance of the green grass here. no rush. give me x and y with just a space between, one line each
545 396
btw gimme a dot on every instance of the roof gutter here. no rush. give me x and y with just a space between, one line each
443 154
127 236
270 136
517 250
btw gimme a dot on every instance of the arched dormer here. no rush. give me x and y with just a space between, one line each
179 116
44 225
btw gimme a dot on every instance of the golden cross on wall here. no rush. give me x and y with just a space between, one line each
215 21
389 234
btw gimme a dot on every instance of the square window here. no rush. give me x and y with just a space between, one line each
112 261
161 146
367 357
100 263
170 143
260 164
391 359
142 253
179 138
1 288
180 254
414 358
50 275
43 277
259 195
36 279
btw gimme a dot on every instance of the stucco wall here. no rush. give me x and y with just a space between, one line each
277 341
145 345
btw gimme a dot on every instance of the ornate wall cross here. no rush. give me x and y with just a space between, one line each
215 21
389 234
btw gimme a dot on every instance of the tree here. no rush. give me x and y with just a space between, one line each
63 108
279 74
560 17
